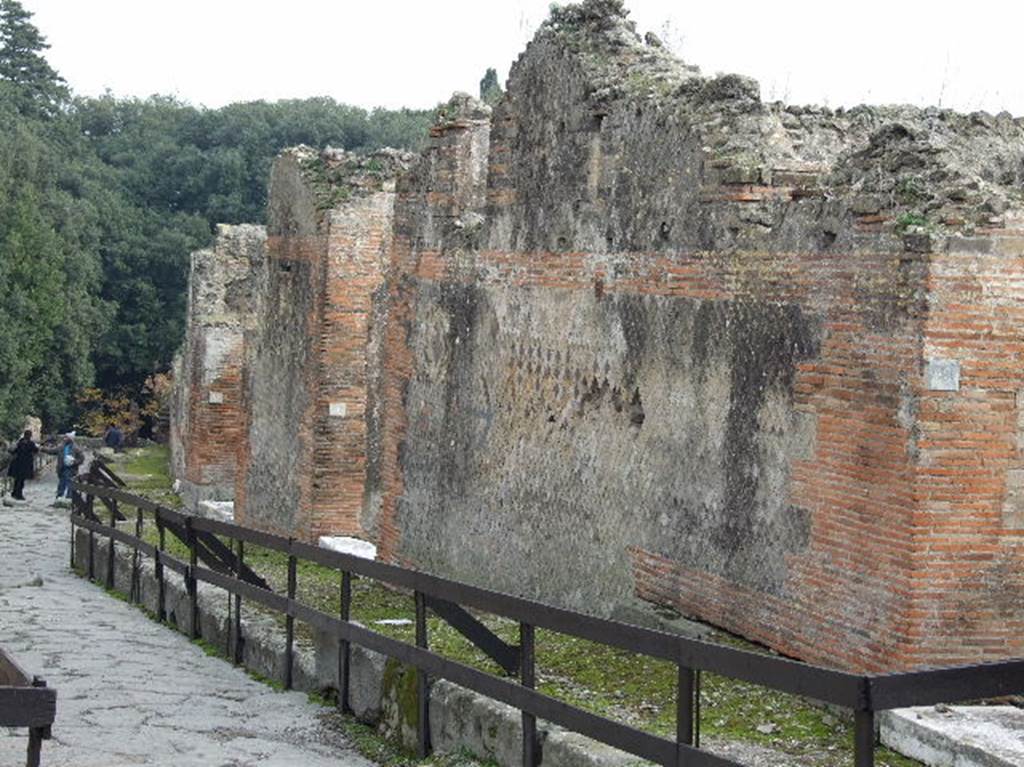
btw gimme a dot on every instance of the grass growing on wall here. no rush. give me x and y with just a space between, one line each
624 686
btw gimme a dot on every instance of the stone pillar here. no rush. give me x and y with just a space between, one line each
206 413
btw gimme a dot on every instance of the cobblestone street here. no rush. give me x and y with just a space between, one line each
130 691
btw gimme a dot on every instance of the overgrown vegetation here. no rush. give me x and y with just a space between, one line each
631 688
101 202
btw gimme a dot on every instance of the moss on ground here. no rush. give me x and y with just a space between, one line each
624 686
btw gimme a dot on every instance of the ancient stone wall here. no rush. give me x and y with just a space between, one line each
312 358
681 343
639 333
207 415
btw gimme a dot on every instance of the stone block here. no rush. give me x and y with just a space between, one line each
957 736
461 719
943 375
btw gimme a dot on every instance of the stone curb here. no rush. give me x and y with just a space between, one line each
460 719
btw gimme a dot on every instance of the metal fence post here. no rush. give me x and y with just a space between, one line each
289 620
344 648
422 685
528 678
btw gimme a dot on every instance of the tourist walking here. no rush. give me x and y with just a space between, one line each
23 464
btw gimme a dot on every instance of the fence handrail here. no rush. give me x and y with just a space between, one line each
26 701
865 694
791 676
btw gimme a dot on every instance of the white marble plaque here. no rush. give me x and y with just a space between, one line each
943 375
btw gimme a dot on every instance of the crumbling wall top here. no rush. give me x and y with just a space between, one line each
336 175
932 169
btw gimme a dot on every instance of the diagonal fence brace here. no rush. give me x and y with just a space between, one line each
215 555
501 652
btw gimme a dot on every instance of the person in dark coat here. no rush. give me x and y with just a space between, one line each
23 464
114 438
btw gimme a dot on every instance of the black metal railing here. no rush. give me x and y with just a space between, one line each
864 695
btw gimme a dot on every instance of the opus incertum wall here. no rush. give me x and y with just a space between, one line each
637 332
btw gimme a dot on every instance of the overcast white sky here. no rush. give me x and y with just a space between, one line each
965 55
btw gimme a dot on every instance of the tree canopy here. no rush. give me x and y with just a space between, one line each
101 202
490 88
36 87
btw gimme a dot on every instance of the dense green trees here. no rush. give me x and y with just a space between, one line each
37 89
101 202
490 88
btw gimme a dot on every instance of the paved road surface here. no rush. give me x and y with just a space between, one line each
129 691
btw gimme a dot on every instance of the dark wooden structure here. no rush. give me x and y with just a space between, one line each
26 701
864 695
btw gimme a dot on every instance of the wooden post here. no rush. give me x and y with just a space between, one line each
92 556
237 654
76 509
90 502
422 686
289 621
684 712
864 739
161 594
136 591
191 585
35 746
696 708
36 735
344 649
111 551
528 678
72 562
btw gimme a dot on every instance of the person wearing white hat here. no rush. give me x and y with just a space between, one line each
69 458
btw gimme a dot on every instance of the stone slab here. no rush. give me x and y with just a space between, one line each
957 736
222 511
348 545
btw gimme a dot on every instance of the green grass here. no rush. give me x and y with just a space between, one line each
624 686
147 472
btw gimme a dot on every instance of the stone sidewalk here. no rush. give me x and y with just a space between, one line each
130 691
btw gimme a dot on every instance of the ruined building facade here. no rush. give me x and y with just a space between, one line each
638 332
313 359
207 411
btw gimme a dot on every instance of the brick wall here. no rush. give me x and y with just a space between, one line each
968 542
639 334
311 358
676 361
208 412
